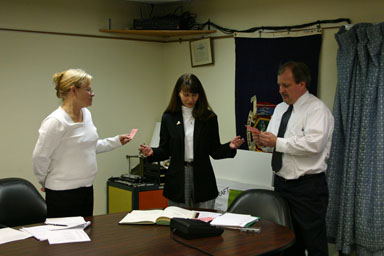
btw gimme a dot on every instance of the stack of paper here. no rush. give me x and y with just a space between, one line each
65 221
61 230
10 235
234 220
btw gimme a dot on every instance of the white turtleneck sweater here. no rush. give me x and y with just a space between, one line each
189 125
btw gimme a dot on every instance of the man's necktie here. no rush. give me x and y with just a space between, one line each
277 157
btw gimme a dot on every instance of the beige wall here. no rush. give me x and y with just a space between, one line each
133 79
128 80
243 14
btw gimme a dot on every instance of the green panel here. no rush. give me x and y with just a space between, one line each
233 193
119 200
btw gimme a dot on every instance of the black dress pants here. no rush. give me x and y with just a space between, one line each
307 198
69 203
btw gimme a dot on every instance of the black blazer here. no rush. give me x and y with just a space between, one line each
206 142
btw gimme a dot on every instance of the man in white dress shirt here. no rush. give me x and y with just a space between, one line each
303 148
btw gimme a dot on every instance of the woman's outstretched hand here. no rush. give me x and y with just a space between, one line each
236 142
124 139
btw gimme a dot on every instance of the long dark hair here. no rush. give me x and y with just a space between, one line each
190 83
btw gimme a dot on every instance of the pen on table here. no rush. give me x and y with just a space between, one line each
256 230
59 225
83 225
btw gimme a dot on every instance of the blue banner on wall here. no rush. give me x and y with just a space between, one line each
256 89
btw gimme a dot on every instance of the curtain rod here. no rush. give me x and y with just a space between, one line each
231 36
129 38
254 29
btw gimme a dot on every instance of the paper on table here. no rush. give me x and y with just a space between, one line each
10 235
133 132
43 232
59 234
68 236
80 226
40 232
66 221
234 220
204 214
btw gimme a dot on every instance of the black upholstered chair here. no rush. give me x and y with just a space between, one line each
20 203
263 203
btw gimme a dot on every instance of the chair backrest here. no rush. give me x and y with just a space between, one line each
20 203
263 203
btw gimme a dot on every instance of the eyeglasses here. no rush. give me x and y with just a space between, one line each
89 90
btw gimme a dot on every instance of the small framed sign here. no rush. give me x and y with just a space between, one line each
201 52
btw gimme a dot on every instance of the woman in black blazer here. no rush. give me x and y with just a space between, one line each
189 134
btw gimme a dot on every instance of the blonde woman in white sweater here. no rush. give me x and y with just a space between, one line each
64 158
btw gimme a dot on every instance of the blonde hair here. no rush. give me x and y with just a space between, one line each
65 79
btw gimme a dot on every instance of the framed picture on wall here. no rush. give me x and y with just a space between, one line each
201 52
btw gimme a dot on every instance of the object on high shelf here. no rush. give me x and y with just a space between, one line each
186 21
159 1
156 24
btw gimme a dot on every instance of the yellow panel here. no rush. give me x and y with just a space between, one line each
120 200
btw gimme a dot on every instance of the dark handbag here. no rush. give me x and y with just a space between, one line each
193 228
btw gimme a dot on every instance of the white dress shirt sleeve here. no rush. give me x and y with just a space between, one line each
309 137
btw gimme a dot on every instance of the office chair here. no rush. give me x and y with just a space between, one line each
20 203
263 203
